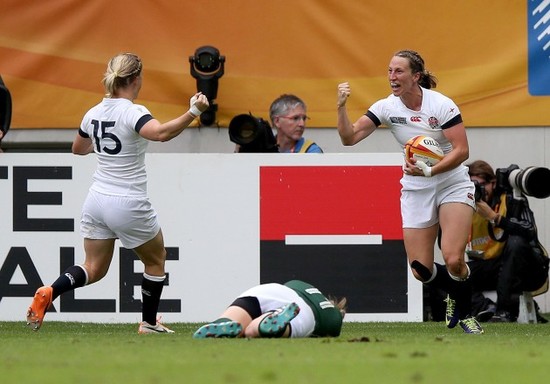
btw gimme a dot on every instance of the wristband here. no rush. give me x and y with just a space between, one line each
194 111
427 171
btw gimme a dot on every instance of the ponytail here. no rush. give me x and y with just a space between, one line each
427 79
121 71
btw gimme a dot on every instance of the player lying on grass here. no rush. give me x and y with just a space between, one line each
293 309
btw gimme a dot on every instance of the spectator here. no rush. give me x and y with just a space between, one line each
505 253
288 117
294 309
117 206
431 197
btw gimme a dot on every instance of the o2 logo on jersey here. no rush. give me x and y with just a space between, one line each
105 136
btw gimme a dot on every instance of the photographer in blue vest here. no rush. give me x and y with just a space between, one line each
288 116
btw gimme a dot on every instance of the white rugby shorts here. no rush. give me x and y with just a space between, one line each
422 196
272 296
133 220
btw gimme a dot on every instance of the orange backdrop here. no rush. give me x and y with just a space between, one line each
53 54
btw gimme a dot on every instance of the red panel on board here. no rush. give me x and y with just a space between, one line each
330 200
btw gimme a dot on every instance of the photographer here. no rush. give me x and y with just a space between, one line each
505 253
288 116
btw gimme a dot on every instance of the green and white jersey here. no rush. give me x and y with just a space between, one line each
317 318
328 319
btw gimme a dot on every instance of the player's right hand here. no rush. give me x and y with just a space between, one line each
344 90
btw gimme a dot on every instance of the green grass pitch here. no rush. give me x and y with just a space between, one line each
365 353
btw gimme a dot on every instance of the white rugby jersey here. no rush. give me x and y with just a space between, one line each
113 126
437 113
272 296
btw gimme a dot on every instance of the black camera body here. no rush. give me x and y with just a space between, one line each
531 181
252 134
480 191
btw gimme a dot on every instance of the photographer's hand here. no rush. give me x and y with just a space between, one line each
486 211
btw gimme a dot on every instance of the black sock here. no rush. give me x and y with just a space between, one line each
460 291
442 280
463 297
73 277
151 289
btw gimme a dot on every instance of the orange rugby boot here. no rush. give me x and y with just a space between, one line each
40 304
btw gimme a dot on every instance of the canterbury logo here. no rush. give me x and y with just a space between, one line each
416 119
71 278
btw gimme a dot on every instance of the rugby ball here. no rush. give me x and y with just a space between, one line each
424 148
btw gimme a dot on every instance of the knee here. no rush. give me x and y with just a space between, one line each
417 276
453 267
154 259
420 271
95 272
457 267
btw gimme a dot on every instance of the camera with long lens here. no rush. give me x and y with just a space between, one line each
252 134
531 181
480 190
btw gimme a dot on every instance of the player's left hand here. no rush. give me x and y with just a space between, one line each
198 103
427 171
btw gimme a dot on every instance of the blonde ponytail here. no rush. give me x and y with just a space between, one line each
121 70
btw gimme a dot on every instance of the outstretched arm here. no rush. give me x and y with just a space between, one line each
156 131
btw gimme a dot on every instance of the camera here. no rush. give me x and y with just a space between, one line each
207 66
252 134
531 181
480 191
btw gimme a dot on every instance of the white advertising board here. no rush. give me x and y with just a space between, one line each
209 207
